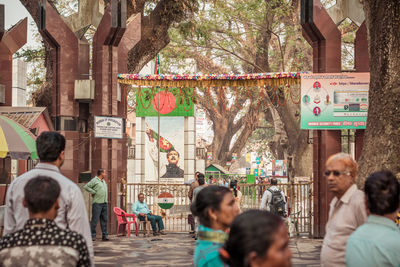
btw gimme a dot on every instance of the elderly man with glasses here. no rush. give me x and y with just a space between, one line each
347 209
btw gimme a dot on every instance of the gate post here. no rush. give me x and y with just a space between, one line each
323 35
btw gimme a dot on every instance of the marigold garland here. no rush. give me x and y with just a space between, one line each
269 81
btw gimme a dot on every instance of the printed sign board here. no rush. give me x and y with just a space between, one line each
279 168
334 100
108 127
251 179
165 200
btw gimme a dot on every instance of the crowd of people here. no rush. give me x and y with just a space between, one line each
361 229
46 221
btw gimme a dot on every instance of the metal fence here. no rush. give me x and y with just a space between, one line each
175 219
299 202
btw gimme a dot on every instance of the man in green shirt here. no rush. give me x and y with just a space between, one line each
376 243
98 188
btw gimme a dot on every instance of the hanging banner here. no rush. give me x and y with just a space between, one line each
169 102
170 142
334 100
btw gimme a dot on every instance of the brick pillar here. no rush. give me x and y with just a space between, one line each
10 42
108 153
324 37
361 57
66 66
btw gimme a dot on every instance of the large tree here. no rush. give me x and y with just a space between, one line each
247 36
381 147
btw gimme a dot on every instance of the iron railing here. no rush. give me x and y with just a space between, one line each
175 219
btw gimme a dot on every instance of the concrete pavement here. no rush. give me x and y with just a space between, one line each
176 249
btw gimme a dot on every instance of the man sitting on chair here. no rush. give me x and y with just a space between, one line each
140 209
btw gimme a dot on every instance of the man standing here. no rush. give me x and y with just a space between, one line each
376 243
141 210
98 188
194 184
201 185
347 208
274 200
72 212
41 242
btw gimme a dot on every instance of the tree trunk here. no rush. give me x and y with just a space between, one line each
381 149
225 127
154 29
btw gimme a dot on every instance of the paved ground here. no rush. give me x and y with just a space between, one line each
176 249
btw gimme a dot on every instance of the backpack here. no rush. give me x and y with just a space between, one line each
277 204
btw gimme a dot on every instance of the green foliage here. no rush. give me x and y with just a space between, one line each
229 33
30 54
348 30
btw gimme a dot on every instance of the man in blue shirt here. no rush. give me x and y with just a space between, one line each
141 209
376 243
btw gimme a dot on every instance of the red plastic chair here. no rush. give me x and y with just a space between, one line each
122 218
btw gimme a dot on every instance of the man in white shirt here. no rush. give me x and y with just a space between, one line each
347 209
72 212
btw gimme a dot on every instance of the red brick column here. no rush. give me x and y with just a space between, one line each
322 34
10 42
111 43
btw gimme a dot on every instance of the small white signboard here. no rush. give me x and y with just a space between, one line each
108 127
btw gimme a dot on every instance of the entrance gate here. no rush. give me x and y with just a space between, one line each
176 218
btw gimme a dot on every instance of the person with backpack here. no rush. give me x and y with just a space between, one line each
274 200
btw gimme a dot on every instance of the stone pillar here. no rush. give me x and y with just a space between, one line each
325 143
130 38
10 42
324 37
361 57
140 149
66 69
190 147
107 153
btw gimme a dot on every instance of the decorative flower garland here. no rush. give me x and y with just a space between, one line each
271 82
202 77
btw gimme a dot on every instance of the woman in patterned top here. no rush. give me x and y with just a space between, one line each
215 207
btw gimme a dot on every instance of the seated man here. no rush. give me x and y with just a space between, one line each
41 242
141 210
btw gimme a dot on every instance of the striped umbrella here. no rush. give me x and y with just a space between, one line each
16 141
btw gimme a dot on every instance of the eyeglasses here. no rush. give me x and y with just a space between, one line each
336 173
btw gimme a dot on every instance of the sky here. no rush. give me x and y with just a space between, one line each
14 12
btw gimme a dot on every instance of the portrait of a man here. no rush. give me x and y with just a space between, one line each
173 171
164 151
